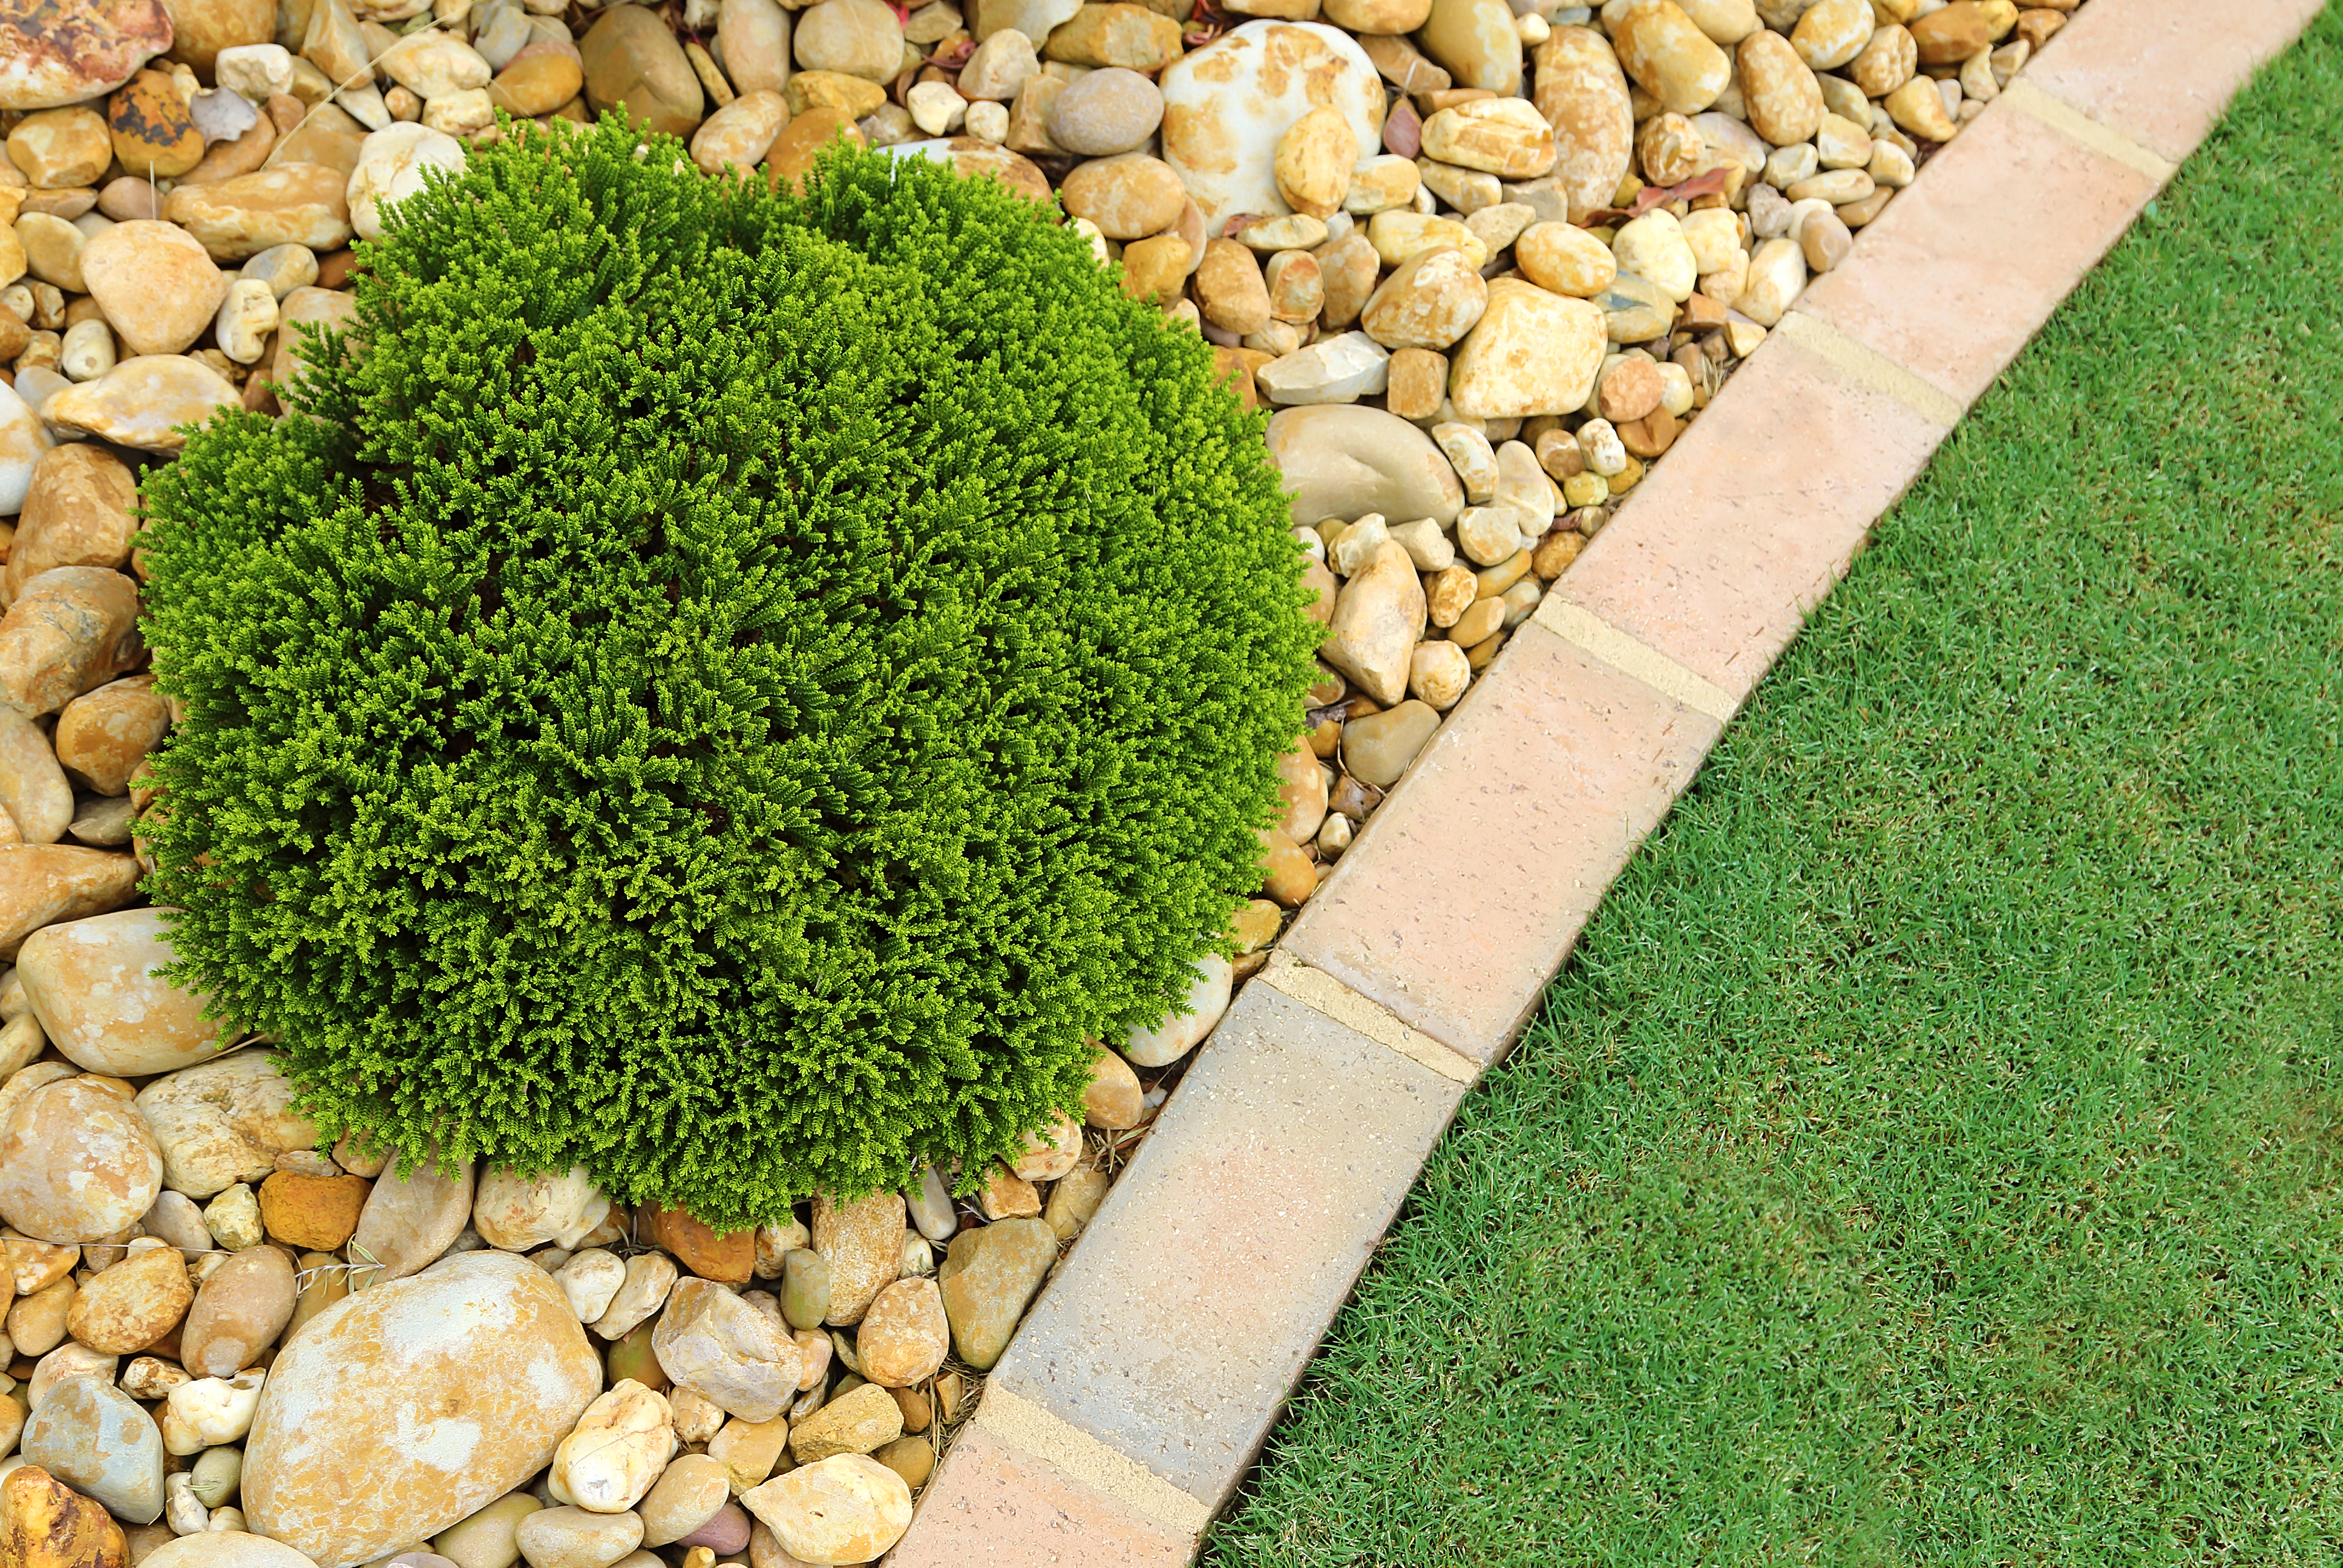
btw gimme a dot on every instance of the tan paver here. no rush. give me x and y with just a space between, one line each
1739 532
1468 886
2161 71
993 1505
1179 1324
1962 269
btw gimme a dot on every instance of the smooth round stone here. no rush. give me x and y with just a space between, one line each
1635 309
97 1439
688 1495
1438 673
1652 246
486 1539
1532 353
407 1223
125 1307
1377 748
904 1334
241 1308
76 1163
92 985
156 284
853 37
725 1531
293 203
569 1537
1430 301
633 62
849 1508
471 1375
519 1212
1566 259
609 1459
1106 112
541 78
144 401
1346 461
58 149
1227 103
1783 101
1582 93
714 1343
753 39
1180 1033
1669 57
1477 43
390 168
987 1276
1128 196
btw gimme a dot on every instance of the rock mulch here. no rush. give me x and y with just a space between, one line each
1485 261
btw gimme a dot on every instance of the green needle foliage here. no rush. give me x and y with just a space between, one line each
731 691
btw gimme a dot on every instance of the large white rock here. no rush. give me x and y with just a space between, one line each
414 1403
1225 105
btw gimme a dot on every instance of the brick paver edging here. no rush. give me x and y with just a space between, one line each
1139 1389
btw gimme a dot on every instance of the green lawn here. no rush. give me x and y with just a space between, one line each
1931 1154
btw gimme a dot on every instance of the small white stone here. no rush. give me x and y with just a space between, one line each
246 318
590 1280
88 351
935 107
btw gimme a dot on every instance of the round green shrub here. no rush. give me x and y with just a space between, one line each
730 690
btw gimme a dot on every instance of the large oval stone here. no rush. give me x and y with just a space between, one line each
413 1404
1225 106
1345 460
1582 93
76 1162
92 985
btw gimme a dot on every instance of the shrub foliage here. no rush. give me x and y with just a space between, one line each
729 690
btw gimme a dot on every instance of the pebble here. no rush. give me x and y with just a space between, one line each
1652 247
1429 301
1504 136
904 1334
1128 196
488 1538
70 1530
1377 747
1438 674
1532 353
630 59
519 1212
293 203
97 1440
209 1411
569 1537
987 1276
144 401
1075 1198
688 1495
223 1122
1338 369
1104 113
390 168
650 1276
740 134
1348 461
238 1312
849 1508
1669 57
463 1417
853 37
125 1307
1180 1033
1777 276
862 1243
1476 42
313 1212
711 1342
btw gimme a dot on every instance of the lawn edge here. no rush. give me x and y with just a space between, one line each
1135 1397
